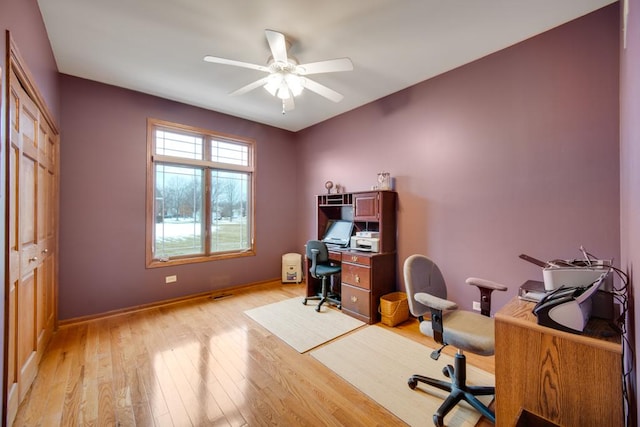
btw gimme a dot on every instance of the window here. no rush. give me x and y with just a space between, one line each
199 195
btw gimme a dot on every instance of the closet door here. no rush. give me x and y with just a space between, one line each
45 225
47 228
31 240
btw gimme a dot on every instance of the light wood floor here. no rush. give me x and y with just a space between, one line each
196 363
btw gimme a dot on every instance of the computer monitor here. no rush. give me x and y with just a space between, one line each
338 233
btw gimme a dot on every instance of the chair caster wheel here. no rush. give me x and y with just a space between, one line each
339 306
412 383
318 309
304 302
446 370
438 421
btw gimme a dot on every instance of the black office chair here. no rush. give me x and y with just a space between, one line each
322 269
465 330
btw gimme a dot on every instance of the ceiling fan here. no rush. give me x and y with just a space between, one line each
286 78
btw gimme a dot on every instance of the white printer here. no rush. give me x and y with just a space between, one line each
367 241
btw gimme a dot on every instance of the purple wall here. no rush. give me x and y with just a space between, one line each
517 152
514 153
630 171
22 18
102 225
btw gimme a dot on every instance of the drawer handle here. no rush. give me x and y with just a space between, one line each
357 279
354 258
354 299
34 259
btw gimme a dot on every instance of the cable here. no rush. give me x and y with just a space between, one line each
621 296
586 255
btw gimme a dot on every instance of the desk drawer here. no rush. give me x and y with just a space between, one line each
355 258
356 275
356 300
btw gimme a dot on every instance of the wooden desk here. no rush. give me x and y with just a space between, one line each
569 379
365 277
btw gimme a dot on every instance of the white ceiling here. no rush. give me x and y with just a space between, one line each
157 46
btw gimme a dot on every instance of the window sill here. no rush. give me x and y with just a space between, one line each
156 263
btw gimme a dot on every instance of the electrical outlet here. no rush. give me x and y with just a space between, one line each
171 279
476 306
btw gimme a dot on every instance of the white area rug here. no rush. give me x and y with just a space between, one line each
301 326
379 362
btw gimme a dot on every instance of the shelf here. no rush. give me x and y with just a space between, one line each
345 199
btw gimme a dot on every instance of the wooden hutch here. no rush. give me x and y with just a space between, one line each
365 276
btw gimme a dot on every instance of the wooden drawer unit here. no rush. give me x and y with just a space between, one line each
365 278
357 258
356 302
356 275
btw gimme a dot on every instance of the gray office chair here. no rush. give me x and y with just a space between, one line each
322 269
465 330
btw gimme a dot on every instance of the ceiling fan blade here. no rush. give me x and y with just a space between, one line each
278 45
322 90
328 66
225 61
250 86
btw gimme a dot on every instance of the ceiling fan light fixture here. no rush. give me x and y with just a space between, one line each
283 91
284 85
295 83
274 82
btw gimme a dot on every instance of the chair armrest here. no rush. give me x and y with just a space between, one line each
314 263
487 284
436 306
485 287
435 302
